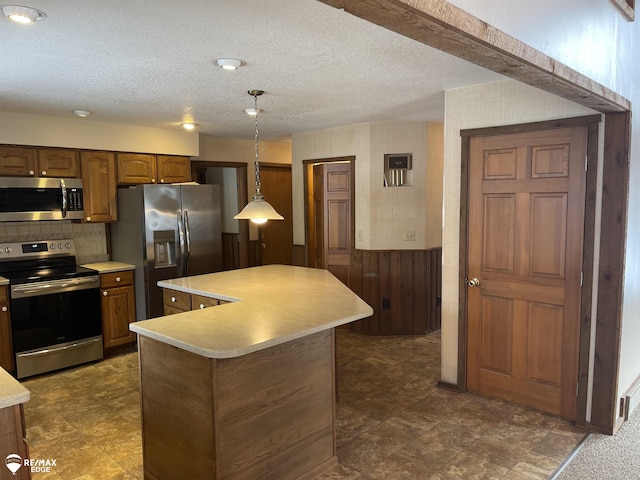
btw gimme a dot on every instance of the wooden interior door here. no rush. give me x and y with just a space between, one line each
332 205
276 236
525 249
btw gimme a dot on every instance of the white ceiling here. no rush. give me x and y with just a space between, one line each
152 63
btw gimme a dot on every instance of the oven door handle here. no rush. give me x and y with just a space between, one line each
51 351
54 286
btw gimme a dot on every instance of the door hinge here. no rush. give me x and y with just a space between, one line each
581 278
577 388
586 163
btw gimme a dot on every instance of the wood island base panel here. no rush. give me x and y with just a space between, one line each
269 414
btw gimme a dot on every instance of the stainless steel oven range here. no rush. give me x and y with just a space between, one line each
54 306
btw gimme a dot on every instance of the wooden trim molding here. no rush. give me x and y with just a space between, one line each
615 191
443 26
627 8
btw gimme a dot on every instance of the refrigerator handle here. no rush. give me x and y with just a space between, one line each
187 238
181 245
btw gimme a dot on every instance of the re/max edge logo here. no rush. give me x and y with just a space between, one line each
40 465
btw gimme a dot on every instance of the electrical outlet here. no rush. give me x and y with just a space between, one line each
410 235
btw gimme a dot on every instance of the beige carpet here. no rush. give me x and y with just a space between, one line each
606 457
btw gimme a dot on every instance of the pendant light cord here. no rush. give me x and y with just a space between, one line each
258 194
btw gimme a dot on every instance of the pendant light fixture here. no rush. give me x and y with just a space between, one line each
258 210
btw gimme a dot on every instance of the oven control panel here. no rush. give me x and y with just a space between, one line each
39 248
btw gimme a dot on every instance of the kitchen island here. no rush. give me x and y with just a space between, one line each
245 390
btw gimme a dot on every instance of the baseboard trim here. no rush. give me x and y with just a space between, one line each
632 399
449 386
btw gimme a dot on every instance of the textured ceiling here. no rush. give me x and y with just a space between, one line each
152 63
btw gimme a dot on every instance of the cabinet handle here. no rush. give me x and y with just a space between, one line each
105 293
88 219
4 309
162 180
117 279
202 305
32 173
153 180
173 299
44 173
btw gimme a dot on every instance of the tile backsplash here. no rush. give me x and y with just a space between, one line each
90 238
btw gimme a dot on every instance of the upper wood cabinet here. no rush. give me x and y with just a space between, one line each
17 161
137 168
173 169
58 162
39 162
99 186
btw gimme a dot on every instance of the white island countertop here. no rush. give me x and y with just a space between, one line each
270 305
11 391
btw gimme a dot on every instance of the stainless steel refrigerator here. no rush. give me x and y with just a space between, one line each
166 231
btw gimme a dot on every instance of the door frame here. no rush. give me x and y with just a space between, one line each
592 123
305 167
241 175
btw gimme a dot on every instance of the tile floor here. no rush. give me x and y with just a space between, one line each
393 423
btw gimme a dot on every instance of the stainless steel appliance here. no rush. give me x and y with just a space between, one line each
25 199
166 231
54 306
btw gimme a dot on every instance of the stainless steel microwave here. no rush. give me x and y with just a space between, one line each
28 199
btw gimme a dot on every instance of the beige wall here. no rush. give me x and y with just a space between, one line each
382 214
87 133
217 149
495 104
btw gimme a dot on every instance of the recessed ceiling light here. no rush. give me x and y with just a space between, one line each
189 125
229 63
252 111
82 113
22 15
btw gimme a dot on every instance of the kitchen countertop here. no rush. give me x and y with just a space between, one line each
11 391
271 305
4 281
109 267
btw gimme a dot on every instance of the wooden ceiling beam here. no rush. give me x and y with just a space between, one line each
443 26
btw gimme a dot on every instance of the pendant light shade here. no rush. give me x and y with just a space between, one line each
258 210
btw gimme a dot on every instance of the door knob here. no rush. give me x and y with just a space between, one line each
472 282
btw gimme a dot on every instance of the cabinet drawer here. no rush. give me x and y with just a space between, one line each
172 310
176 299
116 279
198 301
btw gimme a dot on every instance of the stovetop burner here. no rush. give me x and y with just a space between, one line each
28 262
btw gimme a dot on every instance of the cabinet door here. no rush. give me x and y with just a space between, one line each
99 186
135 168
173 169
58 162
17 161
6 349
118 311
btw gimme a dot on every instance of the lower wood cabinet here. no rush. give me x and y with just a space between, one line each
12 441
176 302
118 310
6 348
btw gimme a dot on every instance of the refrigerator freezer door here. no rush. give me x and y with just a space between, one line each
161 214
203 238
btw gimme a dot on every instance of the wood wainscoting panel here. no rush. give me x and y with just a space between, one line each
402 286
